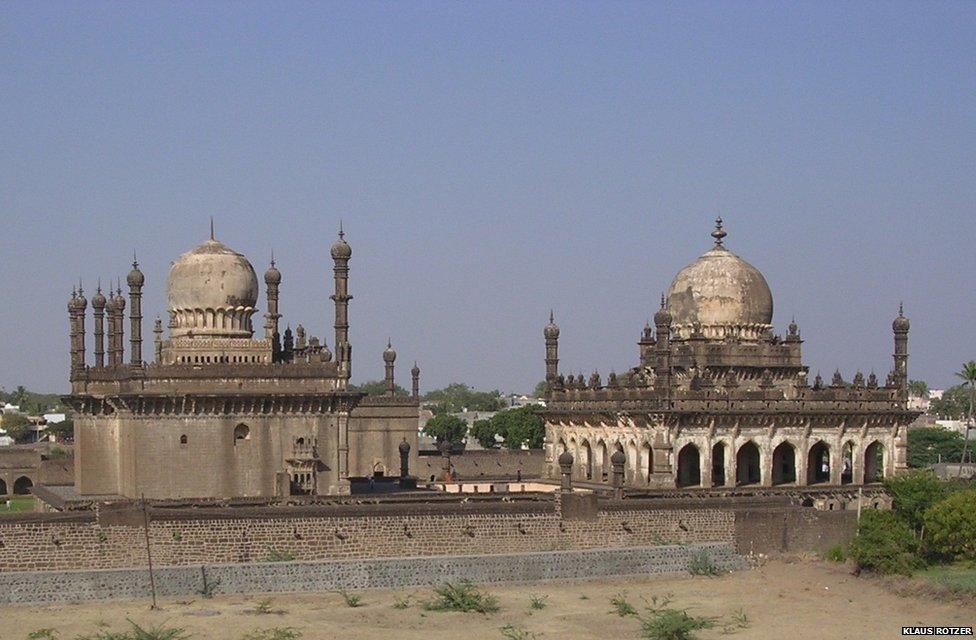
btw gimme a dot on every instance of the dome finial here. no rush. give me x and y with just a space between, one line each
719 233
552 318
901 309
211 228
341 233
135 260
272 258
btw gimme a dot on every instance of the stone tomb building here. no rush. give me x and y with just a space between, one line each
222 412
719 400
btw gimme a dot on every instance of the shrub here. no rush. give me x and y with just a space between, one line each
351 600
462 596
538 602
512 632
43 634
621 607
672 624
835 554
885 544
278 556
701 565
912 493
274 633
401 602
950 526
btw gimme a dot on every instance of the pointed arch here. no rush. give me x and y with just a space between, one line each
847 463
586 460
874 462
747 464
23 485
784 463
718 464
689 466
818 463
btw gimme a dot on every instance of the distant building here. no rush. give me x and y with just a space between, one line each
516 401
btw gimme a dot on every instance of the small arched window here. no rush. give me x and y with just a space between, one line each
183 439
241 432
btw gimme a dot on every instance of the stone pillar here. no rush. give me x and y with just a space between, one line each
551 334
445 449
341 252
119 326
765 465
158 331
566 470
415 379
98 306
342 486
389 358
617 461
82 306
404 449
706 465
135 280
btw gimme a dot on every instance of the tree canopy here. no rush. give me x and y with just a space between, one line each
540 389
377 388
929 445
16 426
918 388
517 427
446 427
953 405
457 397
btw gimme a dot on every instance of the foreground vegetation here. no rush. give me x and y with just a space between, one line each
19 504
931 531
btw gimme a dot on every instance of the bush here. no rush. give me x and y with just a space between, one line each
462 596
835 554
701 565
885 544
950 526
912 493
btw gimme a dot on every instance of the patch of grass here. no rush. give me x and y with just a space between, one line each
583 596
274 633
701 564
401 602
263 608
517 633
160 632
351 600
275 555
43 634
835 554
737 621
17 505
957 578
538 602
621 607
462 596
672 624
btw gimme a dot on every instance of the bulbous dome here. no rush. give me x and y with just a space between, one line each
212 290
721 294
551 330
340 248
135 277
389 355
901 322
272 276
98 300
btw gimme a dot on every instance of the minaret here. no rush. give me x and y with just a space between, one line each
551 334
111 310
135 280
158 341
341 252
98 306
415 377
646 346
389 357
81 304
900 328
272 278
119 324
662 325
73 329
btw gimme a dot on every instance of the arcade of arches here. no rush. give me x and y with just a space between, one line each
725 461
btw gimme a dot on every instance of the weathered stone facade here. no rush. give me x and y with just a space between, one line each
221 412
718 399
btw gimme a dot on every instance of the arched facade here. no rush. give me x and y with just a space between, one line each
689 466
784 464
23 486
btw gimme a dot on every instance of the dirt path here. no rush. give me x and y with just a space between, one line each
783 601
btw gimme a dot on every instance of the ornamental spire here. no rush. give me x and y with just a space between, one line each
719 233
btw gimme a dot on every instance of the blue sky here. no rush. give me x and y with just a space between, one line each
492 160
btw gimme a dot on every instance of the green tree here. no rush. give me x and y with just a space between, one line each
377 388
64 431
484 432
918 388
912 493
885 544
953 405
929 445
446 427
518 427
968 374
457 397
16 425
950 526
540 389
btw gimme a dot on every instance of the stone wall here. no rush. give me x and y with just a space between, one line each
762 530
182 537
490 464
70 586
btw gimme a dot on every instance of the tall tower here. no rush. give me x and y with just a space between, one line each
646 346
98 306
73 329
158 342
81 304
341 252
415 378
662 326
551 334
389 357
900 328
135 280
119 325
272 278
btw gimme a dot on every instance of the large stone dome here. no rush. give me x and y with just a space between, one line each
720 295
211 291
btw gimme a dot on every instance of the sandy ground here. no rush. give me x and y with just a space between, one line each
790 600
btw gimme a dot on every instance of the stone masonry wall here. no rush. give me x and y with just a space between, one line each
179 539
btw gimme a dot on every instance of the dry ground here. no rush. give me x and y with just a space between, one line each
791 600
